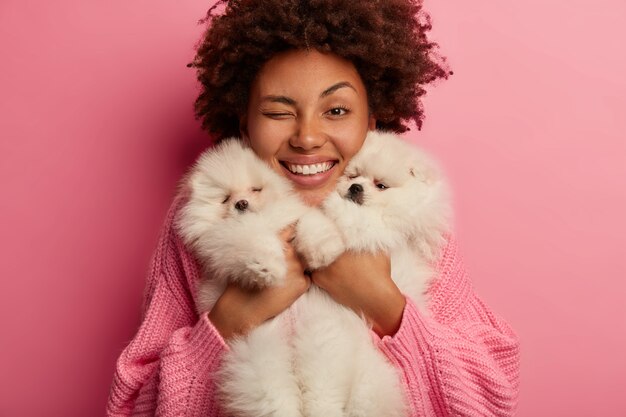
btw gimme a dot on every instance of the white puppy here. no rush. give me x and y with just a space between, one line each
391 198
237 206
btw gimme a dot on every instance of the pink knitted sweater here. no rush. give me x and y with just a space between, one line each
461 360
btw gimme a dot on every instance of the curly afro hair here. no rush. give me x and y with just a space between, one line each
384 39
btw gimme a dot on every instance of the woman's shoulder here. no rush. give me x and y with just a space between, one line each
169 237
171 259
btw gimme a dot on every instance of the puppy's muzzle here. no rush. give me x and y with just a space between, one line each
355 193
241 205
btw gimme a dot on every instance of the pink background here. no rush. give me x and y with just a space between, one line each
96 128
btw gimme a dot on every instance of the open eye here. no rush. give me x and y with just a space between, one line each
381 186
226 199
338 111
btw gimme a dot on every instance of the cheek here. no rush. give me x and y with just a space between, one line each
264 146
264 138
350 140
350 147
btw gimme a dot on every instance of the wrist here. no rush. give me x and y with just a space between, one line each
386 319
227 322
220 322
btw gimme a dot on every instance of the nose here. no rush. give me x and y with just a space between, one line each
241 205
356 189
308 135
356 194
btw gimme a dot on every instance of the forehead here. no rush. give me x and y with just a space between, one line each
300 72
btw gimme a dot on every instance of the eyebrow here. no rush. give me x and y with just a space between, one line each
279 99
291 102
336 87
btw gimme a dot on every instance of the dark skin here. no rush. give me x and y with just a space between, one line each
361 287
362 282
238 310
316 126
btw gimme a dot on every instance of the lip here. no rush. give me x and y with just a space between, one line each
309 181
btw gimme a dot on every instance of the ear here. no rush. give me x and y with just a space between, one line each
371 123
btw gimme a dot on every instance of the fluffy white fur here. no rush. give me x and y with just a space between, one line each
317 358
239 245
401 207
399 204
238 242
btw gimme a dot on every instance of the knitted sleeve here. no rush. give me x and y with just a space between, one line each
460 359
166 370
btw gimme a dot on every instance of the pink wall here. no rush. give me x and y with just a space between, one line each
96 127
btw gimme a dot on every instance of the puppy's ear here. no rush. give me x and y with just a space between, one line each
423 171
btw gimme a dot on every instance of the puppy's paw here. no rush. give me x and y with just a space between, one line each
266 272
318 240
266 266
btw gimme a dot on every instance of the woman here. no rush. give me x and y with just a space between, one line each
302 82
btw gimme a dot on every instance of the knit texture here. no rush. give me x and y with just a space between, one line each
459 360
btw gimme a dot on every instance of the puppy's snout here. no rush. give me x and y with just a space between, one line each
355 193
241 205
356 189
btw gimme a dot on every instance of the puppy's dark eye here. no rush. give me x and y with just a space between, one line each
257 189
226 199
381 186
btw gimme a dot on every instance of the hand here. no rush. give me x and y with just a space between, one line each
362 282
238 310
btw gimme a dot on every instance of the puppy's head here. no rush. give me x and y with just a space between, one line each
228 181
392 180
387 171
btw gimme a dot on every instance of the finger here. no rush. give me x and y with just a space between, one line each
282 297
288 234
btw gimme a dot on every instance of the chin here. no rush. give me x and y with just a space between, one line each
313 198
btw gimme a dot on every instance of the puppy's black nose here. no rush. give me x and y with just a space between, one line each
241 205
355 193
356 189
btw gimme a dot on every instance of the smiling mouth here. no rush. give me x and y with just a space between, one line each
311 169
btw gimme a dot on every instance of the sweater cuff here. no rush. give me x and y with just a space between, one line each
205 334
187 374
412 329
200 344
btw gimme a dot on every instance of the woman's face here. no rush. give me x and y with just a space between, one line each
307 116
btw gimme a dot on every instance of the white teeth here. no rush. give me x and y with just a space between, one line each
310 169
